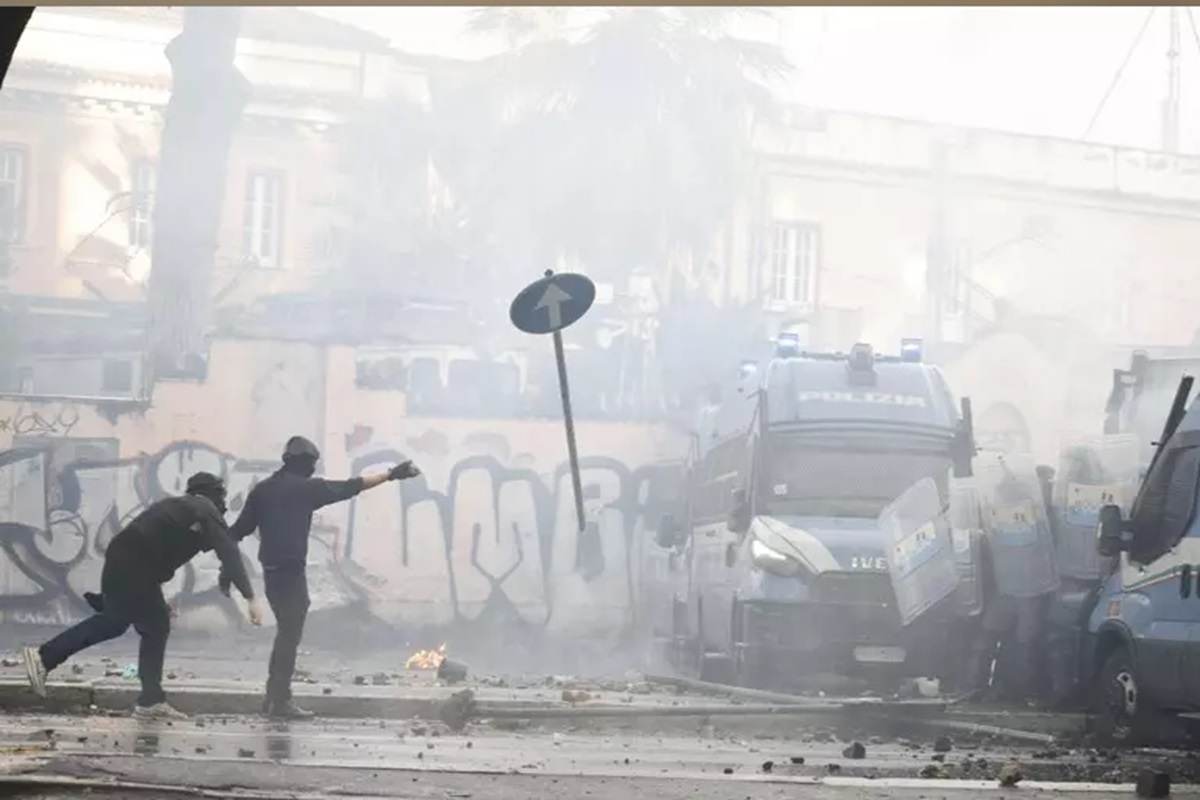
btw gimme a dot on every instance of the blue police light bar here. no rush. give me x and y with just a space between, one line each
910 350
788 344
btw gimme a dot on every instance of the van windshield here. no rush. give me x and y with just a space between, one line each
847 477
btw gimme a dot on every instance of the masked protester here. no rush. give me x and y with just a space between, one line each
139 560
281 509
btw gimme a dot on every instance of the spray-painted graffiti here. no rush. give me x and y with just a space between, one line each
496 540
35 423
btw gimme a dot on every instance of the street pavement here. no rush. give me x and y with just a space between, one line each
420 759
391 749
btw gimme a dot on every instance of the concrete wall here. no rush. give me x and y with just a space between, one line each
489 530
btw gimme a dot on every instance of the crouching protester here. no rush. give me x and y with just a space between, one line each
142 557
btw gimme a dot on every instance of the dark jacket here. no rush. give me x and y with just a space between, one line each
281 508
170 533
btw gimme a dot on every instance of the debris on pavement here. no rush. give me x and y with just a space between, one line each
1010 775
458 709
451 671
855 751
943 744
1152 783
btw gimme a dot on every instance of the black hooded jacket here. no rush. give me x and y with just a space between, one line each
170 533
281 508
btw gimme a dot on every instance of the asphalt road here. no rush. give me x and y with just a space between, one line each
238 756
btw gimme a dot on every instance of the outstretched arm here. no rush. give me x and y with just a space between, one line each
323 492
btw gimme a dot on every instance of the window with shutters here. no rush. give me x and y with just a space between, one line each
792 261
13 174
261 231
142 203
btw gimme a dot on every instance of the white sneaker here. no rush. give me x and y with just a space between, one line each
35 670
158 711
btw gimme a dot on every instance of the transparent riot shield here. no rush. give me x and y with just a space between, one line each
1092 473
1016 526
966 535
921 554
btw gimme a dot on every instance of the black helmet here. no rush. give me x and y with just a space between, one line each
299 447
205 483
208 485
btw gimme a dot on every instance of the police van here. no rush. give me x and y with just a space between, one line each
788 568
1142 659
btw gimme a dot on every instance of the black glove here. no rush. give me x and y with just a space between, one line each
223 583
403 471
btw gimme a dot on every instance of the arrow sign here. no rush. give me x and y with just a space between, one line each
552 300
547 306
552 303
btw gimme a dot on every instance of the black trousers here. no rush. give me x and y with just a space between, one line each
287 592
130 598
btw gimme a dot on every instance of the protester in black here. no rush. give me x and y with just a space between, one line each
281 508
137 562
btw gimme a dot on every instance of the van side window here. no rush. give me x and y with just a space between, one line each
720 472
1169 505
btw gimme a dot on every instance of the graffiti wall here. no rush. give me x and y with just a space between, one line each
487 531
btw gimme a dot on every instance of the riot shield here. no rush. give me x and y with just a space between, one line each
1016 526
921 555
966 535
1092 473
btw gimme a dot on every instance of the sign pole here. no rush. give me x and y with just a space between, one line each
566 404
547 306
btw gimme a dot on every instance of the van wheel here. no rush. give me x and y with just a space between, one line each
1123 715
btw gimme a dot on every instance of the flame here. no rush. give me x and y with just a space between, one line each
426 659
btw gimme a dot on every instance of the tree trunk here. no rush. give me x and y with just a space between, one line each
207 97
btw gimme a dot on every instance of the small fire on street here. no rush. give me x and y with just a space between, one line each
426 659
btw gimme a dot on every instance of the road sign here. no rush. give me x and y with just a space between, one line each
552 303
547 306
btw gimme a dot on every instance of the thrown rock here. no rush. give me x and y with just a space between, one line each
855 751
458 709
797 759
768 766
1010 775
943 744
1152 783
452 671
